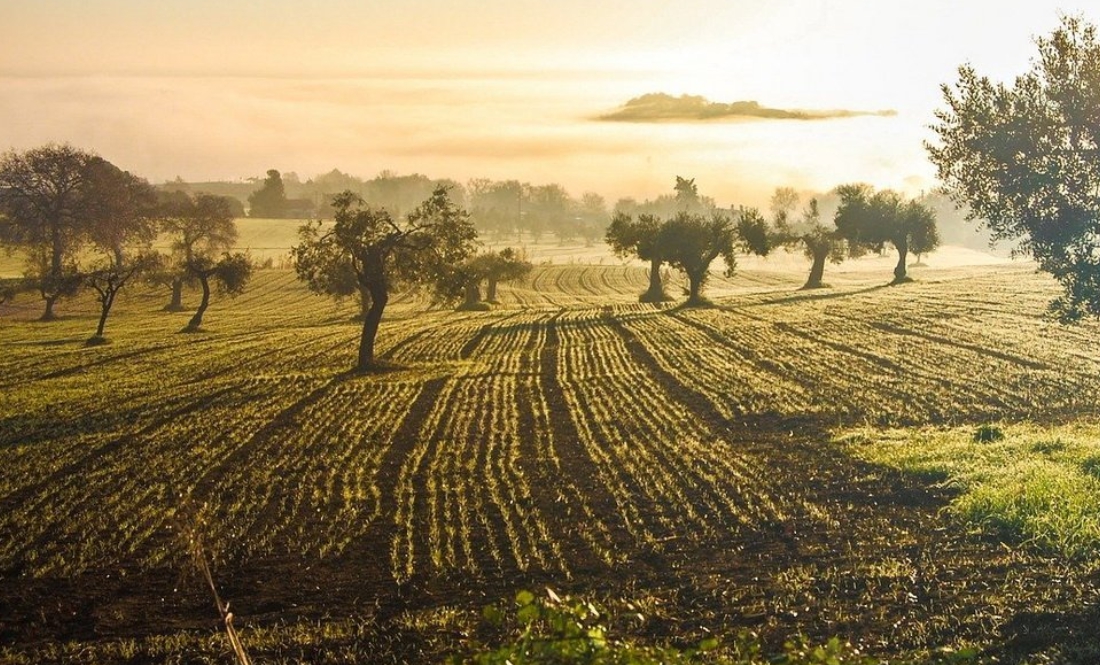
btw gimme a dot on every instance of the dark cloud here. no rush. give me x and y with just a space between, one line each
662 107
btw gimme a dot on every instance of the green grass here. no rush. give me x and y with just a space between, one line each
1037 486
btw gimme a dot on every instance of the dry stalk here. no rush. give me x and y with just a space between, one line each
192 532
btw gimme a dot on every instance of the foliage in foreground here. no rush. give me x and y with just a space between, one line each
532 630
1023 483
568 630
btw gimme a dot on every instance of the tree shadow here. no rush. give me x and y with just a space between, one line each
813 294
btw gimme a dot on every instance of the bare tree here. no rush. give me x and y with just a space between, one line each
47 196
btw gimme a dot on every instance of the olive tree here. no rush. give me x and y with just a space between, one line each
870 220
629 236
464 280
384 252
691 242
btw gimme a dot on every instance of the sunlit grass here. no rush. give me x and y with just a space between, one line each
1038 486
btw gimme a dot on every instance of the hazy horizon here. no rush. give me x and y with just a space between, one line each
504 90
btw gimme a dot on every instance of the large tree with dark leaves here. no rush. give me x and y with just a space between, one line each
1025 159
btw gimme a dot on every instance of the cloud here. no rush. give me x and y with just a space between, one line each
662 107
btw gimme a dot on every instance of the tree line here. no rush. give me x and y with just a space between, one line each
499 210
688 232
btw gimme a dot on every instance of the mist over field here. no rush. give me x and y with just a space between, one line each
537 129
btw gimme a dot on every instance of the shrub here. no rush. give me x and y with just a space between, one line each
988 434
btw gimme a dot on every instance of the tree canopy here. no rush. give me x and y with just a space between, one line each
1024 159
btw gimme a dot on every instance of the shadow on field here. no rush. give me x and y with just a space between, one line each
803 296
1070 637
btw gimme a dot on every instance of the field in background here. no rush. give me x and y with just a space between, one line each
571 437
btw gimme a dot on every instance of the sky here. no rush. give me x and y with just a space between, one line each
504 89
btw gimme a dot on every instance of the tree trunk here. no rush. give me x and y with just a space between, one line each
49 315
53 279
379 297
817 269
176 304
104 309
695 288
196 320
473 294
903 255
491 291
656 292
364 303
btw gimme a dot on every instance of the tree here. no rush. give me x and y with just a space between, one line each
202 231
497 207
230 274
507 265
123 214
628 237
384 252
593 217
869 220
819 242
199 225
687 194
270 199
783 202
1024 158
108 277
464 281
9 288
122 225
692 241
47 196
924 239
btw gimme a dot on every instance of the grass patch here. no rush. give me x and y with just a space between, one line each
1032 485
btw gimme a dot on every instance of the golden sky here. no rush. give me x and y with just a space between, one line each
501 89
